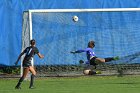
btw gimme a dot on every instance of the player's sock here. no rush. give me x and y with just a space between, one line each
19 83
111 58
92 72
32 81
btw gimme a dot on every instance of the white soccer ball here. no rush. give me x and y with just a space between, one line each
75 18
86 72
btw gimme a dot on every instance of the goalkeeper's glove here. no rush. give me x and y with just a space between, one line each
81 61
73 52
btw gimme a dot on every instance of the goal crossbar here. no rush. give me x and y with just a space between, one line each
86 10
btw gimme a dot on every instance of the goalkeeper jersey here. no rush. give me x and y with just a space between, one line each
89 52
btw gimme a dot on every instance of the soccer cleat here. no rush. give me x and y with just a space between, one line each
98 72
17 87
116 58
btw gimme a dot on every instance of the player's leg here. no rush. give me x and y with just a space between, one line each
91 72
97 60
106 59
25 72
32 70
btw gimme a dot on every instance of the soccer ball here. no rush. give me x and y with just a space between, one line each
86 72
75 18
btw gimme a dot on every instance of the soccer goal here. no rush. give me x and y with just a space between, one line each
59 31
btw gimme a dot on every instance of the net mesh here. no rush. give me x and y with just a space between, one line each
56 34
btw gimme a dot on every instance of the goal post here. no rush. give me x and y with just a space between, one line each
56 34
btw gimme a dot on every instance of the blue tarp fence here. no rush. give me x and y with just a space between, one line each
11 12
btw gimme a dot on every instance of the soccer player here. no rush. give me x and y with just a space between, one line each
27 66
91 57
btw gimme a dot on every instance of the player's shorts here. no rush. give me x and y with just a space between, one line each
27 64
92 61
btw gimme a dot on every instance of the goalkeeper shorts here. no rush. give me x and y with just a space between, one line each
92 61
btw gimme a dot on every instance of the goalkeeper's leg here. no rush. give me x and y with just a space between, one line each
111 58
94 72
91 72
106 59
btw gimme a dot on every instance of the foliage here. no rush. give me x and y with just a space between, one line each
9 70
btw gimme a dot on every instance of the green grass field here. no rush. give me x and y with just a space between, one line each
83 84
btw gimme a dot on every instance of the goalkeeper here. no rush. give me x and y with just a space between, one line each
91 57
29 53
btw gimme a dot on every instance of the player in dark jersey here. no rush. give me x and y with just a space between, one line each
27 66
91 57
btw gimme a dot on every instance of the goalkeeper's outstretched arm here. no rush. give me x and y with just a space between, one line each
79 51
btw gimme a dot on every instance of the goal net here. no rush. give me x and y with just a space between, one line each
115 32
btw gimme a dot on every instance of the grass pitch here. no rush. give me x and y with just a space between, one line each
83 84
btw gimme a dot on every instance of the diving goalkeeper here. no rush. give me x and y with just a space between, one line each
91 57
